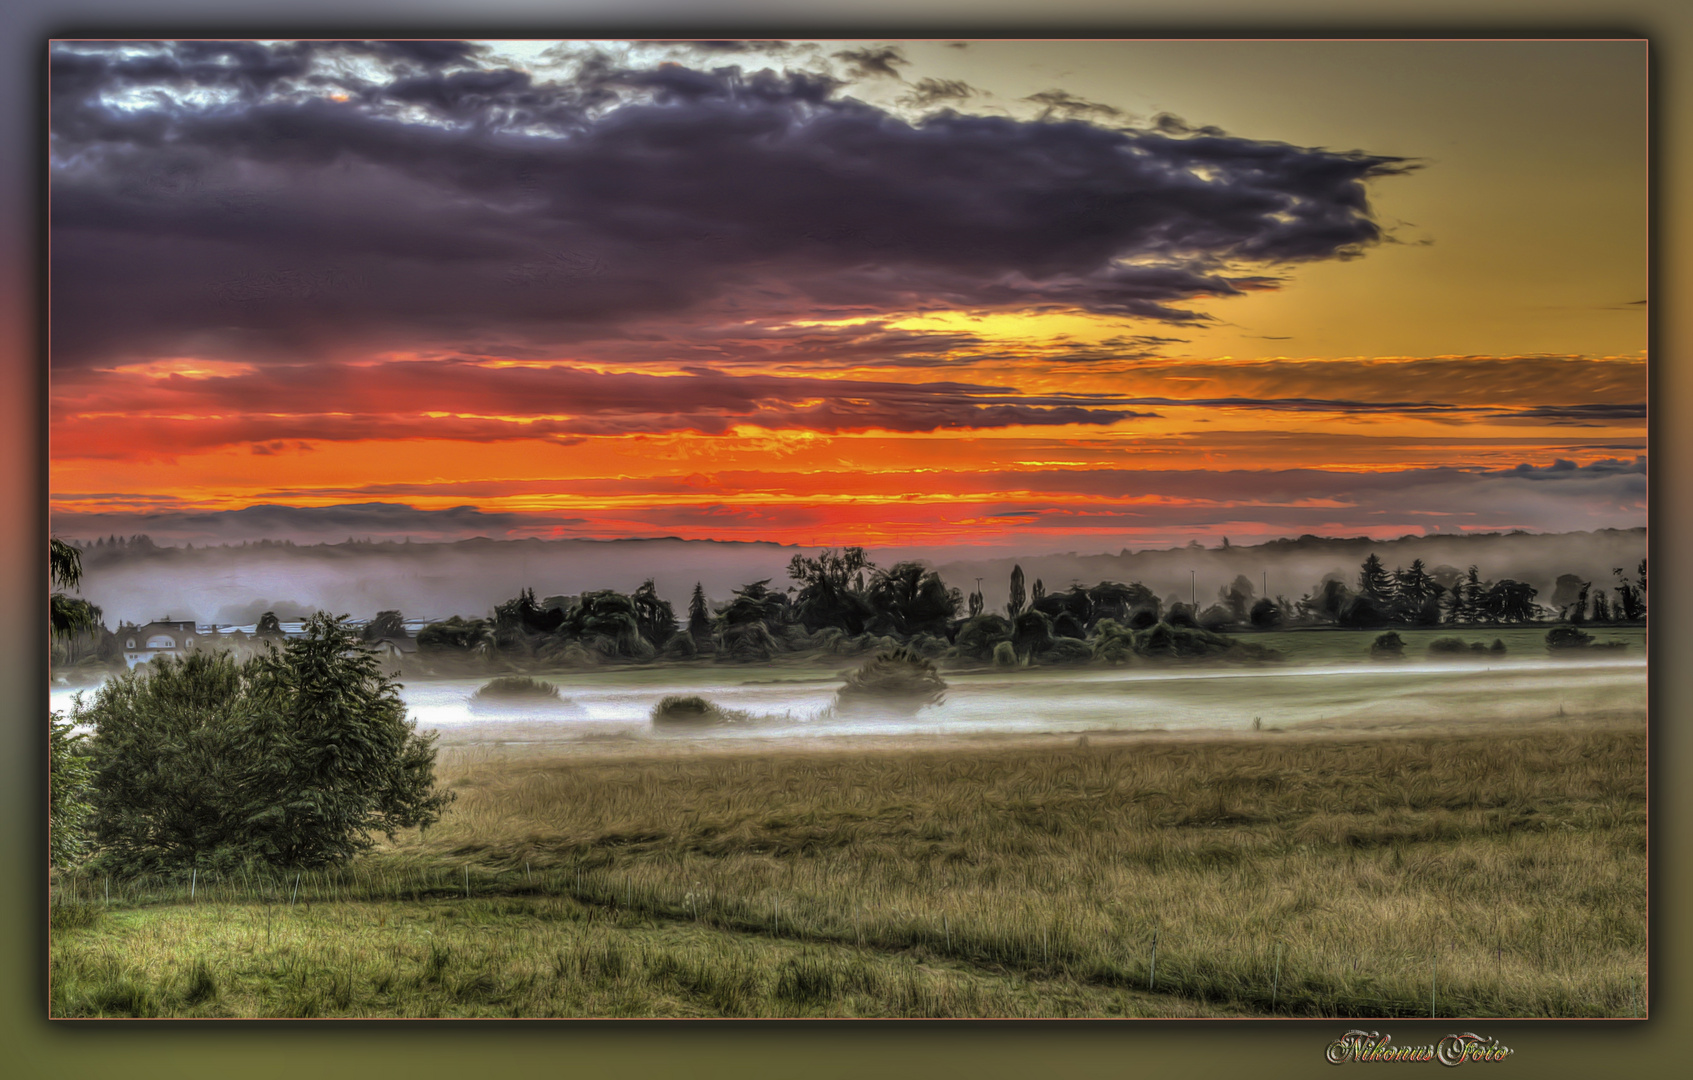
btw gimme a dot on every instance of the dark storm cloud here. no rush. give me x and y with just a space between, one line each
874 61
1065 105
928 91
443 201
1586 415
1171 124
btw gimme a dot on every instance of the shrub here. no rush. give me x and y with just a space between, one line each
516 688
293 758
979 638
1005 656
1164 641
1567 637
691 710
1112 643
901 675
1448 645
519 691
1388 646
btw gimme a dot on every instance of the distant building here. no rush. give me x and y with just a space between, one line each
161 637
395 647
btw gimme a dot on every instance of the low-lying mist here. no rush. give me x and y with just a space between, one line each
237 584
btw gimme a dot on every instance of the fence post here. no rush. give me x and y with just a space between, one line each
1433 968
1276 982
1152 971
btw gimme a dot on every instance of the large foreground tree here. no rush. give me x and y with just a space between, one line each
292 759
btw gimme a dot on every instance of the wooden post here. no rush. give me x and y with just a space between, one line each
1276 983
193 880
1433 967
1152 971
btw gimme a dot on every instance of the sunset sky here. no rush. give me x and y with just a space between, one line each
1028 295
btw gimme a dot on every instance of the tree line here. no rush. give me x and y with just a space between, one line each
841 601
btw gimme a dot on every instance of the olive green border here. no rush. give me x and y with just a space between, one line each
35 1047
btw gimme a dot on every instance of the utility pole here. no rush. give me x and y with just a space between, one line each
1193 589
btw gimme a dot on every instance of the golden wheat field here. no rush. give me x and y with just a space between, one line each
1463 874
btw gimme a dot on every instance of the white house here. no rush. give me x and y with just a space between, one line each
161 637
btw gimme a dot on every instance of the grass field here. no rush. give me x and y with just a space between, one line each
1498 874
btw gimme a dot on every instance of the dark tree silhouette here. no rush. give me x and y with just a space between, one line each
1014 606
1373 581
655 618
911 599
1631 602
699 614
385 624
1510 601
832 590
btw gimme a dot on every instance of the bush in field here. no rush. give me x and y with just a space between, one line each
691 710
515 690
1567 637
1448 646
1388 646
1005 656
900 674
293 758
1572 638
1168 642
1498 647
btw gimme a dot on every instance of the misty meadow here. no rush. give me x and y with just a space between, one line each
846 529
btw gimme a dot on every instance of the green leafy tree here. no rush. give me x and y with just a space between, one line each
67 616
69 811
269 624
291 759
69 789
